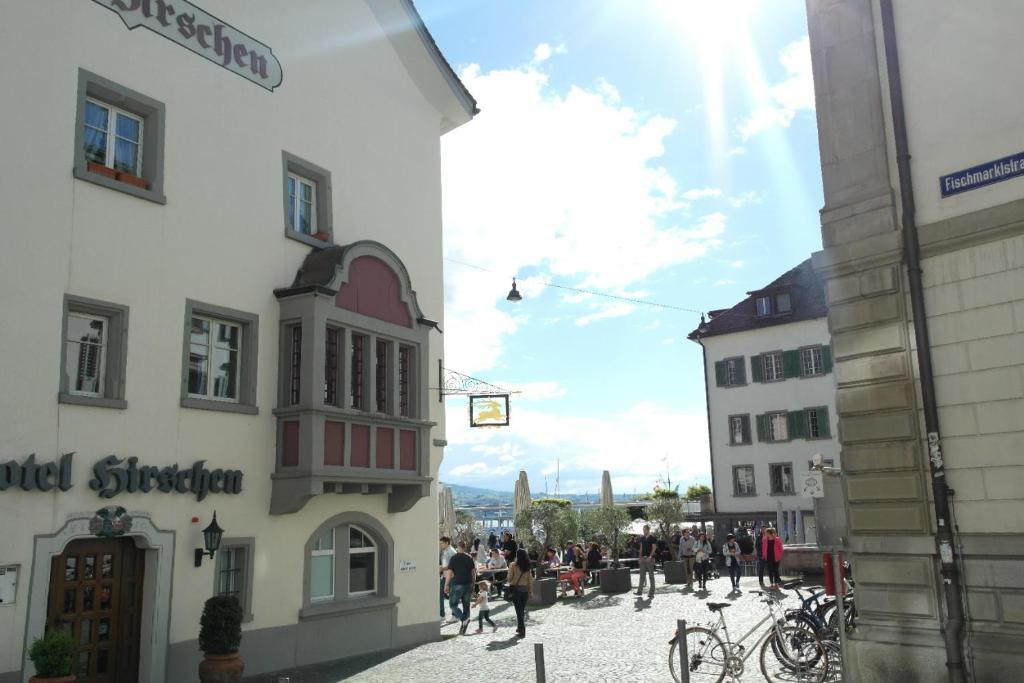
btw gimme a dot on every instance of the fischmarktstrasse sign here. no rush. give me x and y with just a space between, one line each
204 34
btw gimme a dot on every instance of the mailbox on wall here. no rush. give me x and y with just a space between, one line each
8 585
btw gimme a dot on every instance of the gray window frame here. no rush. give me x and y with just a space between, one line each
728 380
153 114
116 359
384 592
792 477
249 323
763 358
750 429
807 423
735 482
821 358
770 437
248 545
321 177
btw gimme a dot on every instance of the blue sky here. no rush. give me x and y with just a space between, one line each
663 150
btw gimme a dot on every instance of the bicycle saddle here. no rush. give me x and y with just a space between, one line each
715 606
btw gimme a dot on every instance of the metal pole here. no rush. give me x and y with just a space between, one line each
684 656
538 656
837 581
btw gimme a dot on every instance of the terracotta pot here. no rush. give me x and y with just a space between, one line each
221 668
132 180
59 679
94 167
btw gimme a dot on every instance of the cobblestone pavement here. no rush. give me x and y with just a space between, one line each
595 638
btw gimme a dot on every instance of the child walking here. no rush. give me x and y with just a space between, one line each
484 608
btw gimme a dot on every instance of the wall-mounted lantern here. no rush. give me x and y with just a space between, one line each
211 539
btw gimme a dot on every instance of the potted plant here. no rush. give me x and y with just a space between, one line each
220 633
52 656
608 521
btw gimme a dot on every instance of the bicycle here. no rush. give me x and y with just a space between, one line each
787 653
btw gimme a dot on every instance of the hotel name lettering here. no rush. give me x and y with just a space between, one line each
113 475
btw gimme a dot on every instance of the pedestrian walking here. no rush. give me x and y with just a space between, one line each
459 585
771 551
483 607
445 555
702 560
731 551
758 542
688 555
648 546
520 580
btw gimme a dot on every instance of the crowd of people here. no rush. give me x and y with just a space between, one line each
464 569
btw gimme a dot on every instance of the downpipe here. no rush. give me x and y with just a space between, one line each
952 587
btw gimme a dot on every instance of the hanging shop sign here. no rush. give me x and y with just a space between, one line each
204 34
981 175
113 475
490 410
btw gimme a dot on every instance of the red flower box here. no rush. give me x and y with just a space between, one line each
94 167
132 180
322 236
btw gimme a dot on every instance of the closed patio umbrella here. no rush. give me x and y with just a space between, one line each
521 499
606 489
447 512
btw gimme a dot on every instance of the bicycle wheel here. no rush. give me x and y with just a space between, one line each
791 653
707 656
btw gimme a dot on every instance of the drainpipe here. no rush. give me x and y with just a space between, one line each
952 587
707 404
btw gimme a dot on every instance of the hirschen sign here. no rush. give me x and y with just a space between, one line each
981 175
204 34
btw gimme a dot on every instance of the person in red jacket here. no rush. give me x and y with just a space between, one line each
771 553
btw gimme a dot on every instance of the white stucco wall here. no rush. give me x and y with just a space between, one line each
961 93
346 104
757 398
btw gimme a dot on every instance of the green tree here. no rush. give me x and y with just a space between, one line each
665 512
548 522
607 523
665 494
467 528
696 491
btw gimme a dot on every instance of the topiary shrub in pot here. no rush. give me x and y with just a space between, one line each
220 633
52 655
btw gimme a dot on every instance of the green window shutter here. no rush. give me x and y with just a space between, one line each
720 376
823 426
762 427
795 421
791 364
826 359
757 368
746 428
741 370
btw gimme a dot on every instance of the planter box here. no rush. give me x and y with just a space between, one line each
100 169
675 571
132 180
616 580
544 592
322 236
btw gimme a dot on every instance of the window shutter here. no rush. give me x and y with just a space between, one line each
795 424
823 424
791 364
745 419
757 368
741 370
826 359
720 377
762 427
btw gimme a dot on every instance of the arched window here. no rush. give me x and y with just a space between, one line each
348 563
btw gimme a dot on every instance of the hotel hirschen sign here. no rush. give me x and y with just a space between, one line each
204 34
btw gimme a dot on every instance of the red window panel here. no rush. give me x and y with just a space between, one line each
334 443
407 450
360 446
385 448
290 444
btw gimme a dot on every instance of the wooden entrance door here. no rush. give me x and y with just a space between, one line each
96 597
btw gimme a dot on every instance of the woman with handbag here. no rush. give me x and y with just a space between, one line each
520 583
701 560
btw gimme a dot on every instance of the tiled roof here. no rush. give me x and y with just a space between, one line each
807 298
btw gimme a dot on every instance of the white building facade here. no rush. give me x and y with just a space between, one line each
221 239
922 170
771 405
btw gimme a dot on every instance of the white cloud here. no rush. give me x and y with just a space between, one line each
543 52
701 193
744 198
723 283
795 93
632 444
615 310
564 183
737 264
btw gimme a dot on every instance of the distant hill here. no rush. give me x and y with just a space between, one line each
470 496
